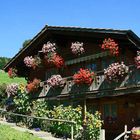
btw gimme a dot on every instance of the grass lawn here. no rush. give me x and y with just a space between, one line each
4 78
8 133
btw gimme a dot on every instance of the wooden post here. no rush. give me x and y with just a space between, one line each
84 112
84 118
125 130
102 134
72 135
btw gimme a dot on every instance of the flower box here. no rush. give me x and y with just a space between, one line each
115 72
56 81
84 76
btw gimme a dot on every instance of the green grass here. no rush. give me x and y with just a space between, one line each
8 133
4 78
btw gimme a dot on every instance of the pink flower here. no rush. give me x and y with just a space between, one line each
115 71
49 48
55 80
77 48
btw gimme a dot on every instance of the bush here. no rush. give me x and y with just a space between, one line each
3 94
93 123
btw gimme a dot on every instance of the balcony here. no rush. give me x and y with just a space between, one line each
131 80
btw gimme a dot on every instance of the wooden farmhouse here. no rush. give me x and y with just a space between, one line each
118 99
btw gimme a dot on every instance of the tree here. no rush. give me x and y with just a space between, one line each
25 43
3 61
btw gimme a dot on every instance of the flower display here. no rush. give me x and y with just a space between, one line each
111 45
12 89
33 86
77 48
136 133
32 62
116 71
56 60
84 76
12 72
55 80
49 48
137 60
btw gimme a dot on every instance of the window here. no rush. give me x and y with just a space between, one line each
110 112
93 108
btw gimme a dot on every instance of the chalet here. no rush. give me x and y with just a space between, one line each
117 100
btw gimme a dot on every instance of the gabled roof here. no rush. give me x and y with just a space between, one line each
128 34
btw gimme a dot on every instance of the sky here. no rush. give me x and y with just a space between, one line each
23 19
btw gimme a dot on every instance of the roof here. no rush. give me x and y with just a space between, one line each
131 36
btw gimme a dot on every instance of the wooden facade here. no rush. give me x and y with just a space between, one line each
119 103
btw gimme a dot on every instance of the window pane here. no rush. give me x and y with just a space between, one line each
106 110
114 110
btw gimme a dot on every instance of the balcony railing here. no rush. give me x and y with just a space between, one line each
129 81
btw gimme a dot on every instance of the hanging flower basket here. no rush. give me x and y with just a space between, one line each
137 60
31 62
135 133
56 81
12 72
111 45
33 86
49 48
77 48
116 71
83 76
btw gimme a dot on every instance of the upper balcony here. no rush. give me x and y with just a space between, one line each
130 81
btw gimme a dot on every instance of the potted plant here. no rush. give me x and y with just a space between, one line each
135 133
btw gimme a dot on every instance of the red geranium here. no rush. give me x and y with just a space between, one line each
111 45
56 60
12 72
84 76
33 86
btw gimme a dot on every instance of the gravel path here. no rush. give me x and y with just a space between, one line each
40 134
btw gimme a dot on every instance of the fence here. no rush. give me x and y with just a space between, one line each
72 123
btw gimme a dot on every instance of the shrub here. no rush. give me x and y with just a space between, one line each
22 103
3 96
93 123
